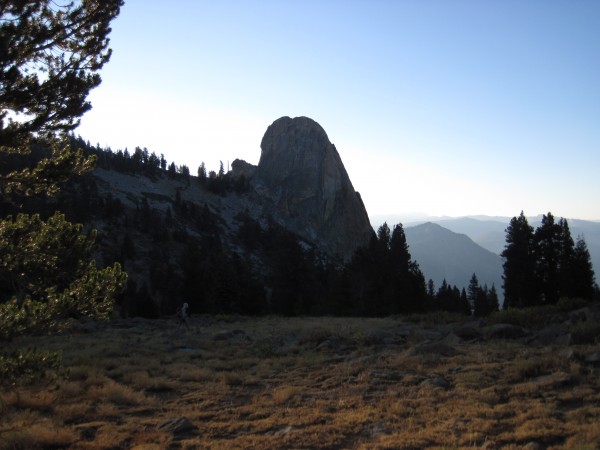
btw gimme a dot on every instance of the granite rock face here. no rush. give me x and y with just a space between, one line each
302 173
239 168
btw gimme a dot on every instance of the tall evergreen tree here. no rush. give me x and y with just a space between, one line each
583 284
172 170
384 236
473 290
492 300
519 268
184 171
465 306
406 277
451 299
566 267
51 55
293 279
443 297
50 58
480 302
548 243
400 258
202 173
486 301
382 279
431 289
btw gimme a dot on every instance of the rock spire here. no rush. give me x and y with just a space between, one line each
302 172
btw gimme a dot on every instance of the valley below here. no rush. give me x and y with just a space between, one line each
520 379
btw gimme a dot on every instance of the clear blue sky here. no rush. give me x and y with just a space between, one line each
439 107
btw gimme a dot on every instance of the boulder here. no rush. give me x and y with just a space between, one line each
437 381
336 344
303 174
377 336
232 336
467 332
452 340
564 340
505 331
433 348
587 314
533 445
553 334
592 358
177 425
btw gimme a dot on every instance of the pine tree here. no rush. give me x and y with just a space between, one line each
431 289
153 163
451 299
399 253
480 302
473 290
566 267
406 279
443 297
381 278
492 300
547 241
583 283
202 173
50 58
519 269
184 171
172 170
465 306
384 237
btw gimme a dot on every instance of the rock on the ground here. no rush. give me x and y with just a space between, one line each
433 348
177 426
586 314
592 358
437 381
468 332
233 336
505 331
553 334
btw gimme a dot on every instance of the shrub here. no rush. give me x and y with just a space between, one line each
585 333
533 317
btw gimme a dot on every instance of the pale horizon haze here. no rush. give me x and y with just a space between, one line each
444 108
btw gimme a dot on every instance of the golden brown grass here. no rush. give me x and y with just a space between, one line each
300 383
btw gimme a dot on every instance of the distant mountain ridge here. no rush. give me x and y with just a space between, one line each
445 255
490 232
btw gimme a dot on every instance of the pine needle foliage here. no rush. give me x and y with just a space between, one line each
50 56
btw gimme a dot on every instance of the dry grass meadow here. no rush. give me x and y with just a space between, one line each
310 383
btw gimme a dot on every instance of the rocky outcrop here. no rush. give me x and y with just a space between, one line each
302 173
241 168
179 236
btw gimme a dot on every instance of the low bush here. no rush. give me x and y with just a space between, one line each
583 333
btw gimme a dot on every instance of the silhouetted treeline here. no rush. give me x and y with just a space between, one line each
143 162
176 253
545 265
382 279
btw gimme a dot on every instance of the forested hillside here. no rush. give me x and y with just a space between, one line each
206 240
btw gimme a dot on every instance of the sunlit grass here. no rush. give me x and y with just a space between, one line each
302 383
